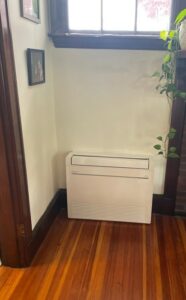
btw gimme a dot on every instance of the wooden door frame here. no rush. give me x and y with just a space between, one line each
15 218
177 122
165 204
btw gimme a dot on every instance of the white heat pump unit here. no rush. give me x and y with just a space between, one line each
109 187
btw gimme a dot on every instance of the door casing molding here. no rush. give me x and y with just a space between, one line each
15 218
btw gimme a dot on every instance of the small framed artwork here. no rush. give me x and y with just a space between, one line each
36 66
30 10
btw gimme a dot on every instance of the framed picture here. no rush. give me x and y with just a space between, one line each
30 10
36 66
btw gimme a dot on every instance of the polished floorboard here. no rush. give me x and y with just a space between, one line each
104 260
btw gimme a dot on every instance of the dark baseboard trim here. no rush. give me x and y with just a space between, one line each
42 227
162 205
63 198
180 214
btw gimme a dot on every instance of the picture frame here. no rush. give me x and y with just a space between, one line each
36 66
30 10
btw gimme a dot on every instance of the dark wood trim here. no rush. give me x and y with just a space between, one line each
162 205
172 169
135 42
177 6
43 225
63 193
180 214
177 122
15 220
58 16
17 241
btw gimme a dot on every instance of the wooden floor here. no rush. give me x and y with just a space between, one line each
104 260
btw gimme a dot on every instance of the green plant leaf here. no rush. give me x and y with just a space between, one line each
172 130
167 58
157 147
163 91
170 76
172 34
164 35
160 153
176 93
182 95
172 149
161 77
173 155
171 134
180 16
160 138
166 68
171 87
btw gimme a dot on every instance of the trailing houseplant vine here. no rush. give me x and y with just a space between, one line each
166 82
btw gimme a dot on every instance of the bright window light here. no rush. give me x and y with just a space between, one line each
153 15
84 14
119 15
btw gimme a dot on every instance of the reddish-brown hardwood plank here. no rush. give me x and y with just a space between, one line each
100 261
31 282
70 286
156 260
123 276
182 230
90 260
5 273
11 283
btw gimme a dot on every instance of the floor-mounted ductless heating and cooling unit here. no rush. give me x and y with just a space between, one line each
108 187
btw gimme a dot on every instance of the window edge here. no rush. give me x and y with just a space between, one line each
128 42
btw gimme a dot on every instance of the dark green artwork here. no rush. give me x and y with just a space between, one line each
30 10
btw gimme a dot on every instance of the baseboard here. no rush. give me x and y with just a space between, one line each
44 223
180 214
162 205
63 193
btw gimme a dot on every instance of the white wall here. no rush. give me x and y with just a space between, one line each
37 110
106 102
